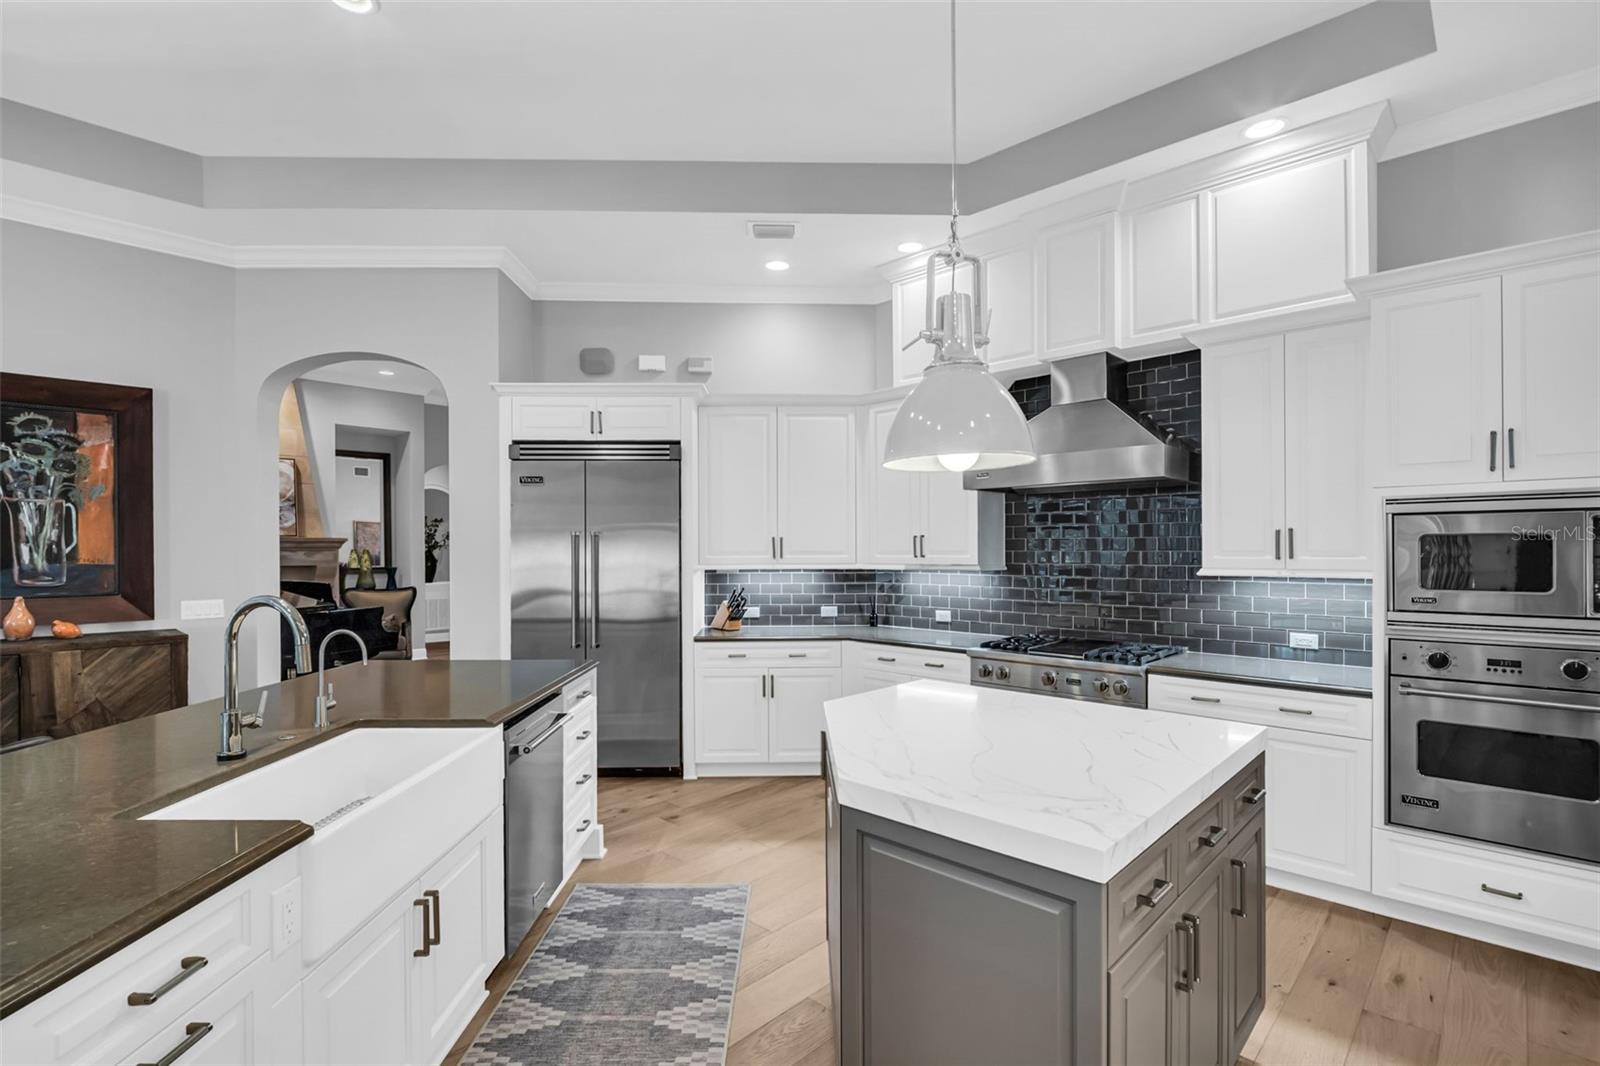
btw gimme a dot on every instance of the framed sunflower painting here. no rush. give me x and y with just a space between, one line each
75 492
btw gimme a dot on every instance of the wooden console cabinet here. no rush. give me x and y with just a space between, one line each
56 688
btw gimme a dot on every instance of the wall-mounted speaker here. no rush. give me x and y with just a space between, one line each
596 361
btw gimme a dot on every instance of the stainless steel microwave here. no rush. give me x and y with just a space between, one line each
1524 561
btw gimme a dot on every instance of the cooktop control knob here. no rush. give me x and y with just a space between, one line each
1048 679
1119 688
985 670
1101 685
1438 660
1003 673
1575 669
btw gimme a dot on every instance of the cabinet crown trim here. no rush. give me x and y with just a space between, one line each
1478 264
1355 309
583 388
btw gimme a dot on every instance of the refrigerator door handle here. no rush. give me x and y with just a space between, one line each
577 579
594 590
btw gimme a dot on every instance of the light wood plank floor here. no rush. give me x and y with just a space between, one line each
1345 986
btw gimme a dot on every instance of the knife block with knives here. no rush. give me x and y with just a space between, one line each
730 612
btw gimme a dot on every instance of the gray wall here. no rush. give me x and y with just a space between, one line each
756 348
1524 183
519 324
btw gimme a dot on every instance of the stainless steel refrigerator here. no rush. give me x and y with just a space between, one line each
595 575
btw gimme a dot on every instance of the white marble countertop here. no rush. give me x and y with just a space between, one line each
1069 785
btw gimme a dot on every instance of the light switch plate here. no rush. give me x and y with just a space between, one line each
193 609
752 611
941 616
1309 641
830 611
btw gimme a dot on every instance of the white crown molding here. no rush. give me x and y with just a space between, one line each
1547 98
114 230
596 388
1349 309
650 292
1477 265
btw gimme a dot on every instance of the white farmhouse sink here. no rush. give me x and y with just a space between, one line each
383 804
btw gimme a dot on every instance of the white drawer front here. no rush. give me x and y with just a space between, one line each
89 1019
749 653
1559 902
913 662
579 772
579 729
580 819
1288 708
585 687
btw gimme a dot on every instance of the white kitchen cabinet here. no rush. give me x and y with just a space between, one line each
230 1027
908 314
358 1000
1076 272
1434 383
1010 298
731 715
912 519
1551 370
1242 440
817 486
777 486
568 417
1161 282
1319 806
738 486
795 699
1283 484
869 666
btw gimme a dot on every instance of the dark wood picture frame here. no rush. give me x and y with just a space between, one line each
135 598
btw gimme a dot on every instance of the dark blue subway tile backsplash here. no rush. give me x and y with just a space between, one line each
1120 562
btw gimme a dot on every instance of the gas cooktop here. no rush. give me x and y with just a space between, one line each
1081 667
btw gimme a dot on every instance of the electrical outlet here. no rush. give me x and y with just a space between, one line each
830 611
194 609
941 616
752 611
1309 641
286 917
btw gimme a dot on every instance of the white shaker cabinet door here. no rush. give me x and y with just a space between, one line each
730 710
1075 287
1434 384
1319 806
795 729
892 499
1327 520
1552 370
738 486
358 1000
1241 432
637 418
552 417
1162 245
447 984
817 486
1009 277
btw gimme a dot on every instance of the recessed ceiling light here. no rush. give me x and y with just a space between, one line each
358 7
777 264
387 373
907 247
1265 128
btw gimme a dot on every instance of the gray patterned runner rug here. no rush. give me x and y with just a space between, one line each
625 974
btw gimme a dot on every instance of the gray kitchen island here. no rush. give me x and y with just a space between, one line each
1025 879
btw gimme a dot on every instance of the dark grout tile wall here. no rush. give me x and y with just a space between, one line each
1119 562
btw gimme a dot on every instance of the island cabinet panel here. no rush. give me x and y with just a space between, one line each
1245 889
1143 1010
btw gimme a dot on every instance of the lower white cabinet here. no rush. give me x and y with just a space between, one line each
234 1026
794 712
357 1002
759 705
447 982
869 666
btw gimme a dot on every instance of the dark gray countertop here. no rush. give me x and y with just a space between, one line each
80 877
901 636
1279 673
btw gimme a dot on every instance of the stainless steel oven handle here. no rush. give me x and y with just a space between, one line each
1412 690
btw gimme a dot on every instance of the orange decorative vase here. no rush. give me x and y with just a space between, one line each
19 621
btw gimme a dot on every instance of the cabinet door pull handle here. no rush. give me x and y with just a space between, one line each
427 935
772 685
798 654
1511 448
780 547
1213 836
1494 446
887 659
1291 542
193 1033
1206 699
1159 890
591 423
763 686
732 655
1189 926
1254 796
774 547
1238 870
1295 710
438 915
934 666
188 966
1500 892
582 736
1277 544
584 780
584 827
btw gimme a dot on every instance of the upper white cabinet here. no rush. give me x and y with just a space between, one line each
1487 369
1009 275
777 486
1077 309
1284 478
923 519
573 417
909 311
1161 287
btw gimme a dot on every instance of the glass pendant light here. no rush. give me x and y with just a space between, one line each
958 417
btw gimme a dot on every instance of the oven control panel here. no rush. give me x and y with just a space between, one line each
1576 669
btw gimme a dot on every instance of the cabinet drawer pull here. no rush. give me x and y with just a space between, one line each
1159 890
582 736
427 935
188 966
1238 869
193 1033
1296 710
934 666
1500 892
438 915
1206 699
1254 796
1213 836
887 659
584 827
797 654
584 780
585 693
737 655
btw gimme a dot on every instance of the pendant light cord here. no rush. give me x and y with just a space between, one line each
955 210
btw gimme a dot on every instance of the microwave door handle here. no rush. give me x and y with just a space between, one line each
1513 701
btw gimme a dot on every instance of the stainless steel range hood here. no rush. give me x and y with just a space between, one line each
1089 437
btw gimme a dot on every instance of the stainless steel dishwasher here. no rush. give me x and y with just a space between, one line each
533 815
